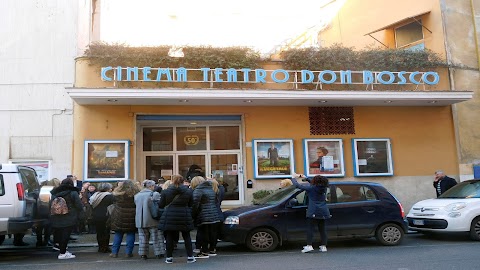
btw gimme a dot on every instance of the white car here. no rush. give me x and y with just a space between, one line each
456 210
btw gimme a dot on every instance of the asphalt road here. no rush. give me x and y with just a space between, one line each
416 252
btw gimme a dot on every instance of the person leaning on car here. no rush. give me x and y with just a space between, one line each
317 210
442 183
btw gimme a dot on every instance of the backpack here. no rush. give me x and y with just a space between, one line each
59 206
155 210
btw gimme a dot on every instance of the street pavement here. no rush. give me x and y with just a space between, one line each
417 252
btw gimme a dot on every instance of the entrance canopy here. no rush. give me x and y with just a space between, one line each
224 97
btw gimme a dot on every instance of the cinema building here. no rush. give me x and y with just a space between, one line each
251 127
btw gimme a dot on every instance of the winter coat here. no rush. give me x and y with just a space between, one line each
317 206
99 213
143 202
75 207
123 215
177 213
204 208
446 183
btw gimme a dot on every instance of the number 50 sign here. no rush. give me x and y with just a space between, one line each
191 139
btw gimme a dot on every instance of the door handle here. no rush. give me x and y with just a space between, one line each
369 210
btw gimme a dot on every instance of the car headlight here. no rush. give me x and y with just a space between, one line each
455 206
232 220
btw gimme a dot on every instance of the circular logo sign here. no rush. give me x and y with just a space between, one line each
191 139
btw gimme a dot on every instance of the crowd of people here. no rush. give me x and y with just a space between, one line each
157 212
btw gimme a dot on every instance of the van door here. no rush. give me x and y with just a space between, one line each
31 188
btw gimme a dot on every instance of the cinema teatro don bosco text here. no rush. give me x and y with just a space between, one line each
247 75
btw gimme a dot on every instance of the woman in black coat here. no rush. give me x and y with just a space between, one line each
100 201
176 202
205 214
63 224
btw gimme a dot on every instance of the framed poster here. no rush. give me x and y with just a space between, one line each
273 158
106 160
372 157
42 167
324 157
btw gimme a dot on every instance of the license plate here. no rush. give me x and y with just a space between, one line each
418 222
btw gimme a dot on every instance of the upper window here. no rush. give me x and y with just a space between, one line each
191 138
409 35
158 139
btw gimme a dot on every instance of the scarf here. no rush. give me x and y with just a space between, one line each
97 197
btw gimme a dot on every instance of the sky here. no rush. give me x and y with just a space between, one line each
253 23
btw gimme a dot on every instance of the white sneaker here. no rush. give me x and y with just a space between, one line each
307 249
197 250
323 249
66 256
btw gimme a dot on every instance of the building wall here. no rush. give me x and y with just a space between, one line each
37 55
462 39
419 145
455 27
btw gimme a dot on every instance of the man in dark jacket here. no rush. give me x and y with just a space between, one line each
442 183
63 224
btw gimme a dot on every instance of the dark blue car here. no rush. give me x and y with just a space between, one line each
358 209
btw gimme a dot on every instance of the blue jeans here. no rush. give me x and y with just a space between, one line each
117 241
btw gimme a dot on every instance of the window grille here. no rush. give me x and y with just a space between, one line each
331 120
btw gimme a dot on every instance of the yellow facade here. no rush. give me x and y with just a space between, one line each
419 144
424 138
450 29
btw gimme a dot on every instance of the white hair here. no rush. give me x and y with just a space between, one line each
148 183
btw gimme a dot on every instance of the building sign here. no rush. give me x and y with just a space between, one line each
246 75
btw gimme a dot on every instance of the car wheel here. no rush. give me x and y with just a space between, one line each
262 239
2 238
389 234
475 229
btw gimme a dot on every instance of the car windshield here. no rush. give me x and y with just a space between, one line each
463 190
277 196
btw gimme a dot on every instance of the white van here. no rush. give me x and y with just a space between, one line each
19 196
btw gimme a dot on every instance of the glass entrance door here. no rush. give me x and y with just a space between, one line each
170 150
185 161
159 167
224 168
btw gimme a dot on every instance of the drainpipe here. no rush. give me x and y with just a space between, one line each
472 7
475 36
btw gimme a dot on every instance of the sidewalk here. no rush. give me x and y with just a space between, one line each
83 240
